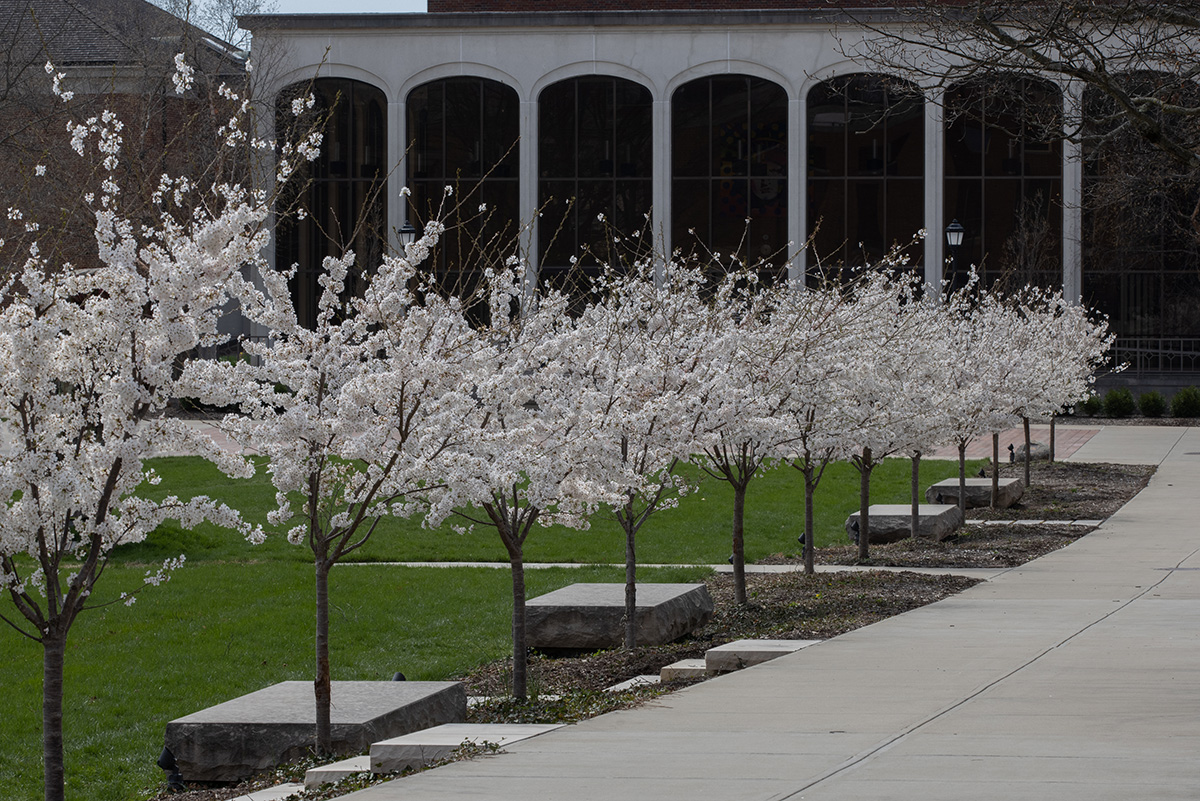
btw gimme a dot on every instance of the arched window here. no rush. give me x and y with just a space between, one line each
729 165
1004 179
341 193
1141 254
594 172
463 134
866 168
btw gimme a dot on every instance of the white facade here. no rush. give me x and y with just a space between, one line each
659 50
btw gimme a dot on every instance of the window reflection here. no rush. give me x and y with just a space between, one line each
341 193
729 165
1004 180
866 167
463 134
1140 248
594 175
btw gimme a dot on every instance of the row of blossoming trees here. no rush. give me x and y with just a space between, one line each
395 403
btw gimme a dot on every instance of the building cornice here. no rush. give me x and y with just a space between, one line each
562 19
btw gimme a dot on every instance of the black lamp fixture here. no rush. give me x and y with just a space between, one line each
408 234
954 234
954 238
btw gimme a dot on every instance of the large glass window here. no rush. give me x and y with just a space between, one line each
341 194
463 134
866 167
594 174
729 166
1004 179
1141 254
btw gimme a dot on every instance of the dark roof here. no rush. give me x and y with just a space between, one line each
105 32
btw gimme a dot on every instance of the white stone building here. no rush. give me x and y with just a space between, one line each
702 120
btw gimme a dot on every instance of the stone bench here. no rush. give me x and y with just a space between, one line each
684 669
745 653
234 740
591 616
335 772
979 492
424 747
891 522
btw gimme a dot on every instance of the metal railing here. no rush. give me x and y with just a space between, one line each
1157 354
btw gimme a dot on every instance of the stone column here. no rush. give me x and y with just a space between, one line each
528 202
1072 194
797 182
935 172
660 191
397 162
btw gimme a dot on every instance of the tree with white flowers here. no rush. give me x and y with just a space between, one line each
746 400
882 403
524 452
640 354
1058 348
978 330
89 359
355 415
811 328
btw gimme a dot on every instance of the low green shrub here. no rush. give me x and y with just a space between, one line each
1152 404
1092 406
1119 402
1186 403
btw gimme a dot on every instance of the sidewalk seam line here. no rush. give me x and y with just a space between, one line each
886 745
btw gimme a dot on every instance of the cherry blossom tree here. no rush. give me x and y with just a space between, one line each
884 408
812 326
89 359
524 450
747 400
1059 349
977 329
641 353
361 426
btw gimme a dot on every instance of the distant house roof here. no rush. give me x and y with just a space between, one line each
106 32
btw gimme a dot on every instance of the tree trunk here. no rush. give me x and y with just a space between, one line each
864 503
739 556
520 657
1025 420
962 478
630 584
1052 439
810 489
995 468
54 647
915 525
322 685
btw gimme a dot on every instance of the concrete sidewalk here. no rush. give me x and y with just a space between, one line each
1076 676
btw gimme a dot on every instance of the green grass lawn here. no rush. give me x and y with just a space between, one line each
237 618
696 532
218 630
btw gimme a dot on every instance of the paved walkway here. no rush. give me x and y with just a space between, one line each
1067 440
1076 676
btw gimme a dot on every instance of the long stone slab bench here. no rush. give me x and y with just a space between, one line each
745 653
891 522
979 492
336 771
232 741
590 616
423 747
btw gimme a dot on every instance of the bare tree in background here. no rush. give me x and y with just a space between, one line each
219 17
